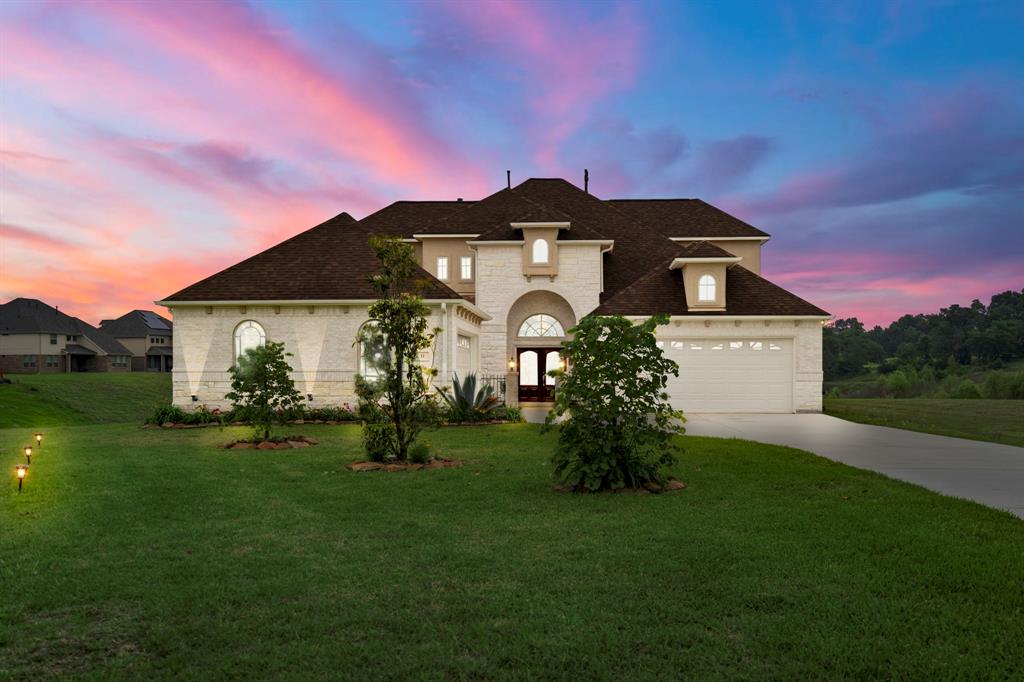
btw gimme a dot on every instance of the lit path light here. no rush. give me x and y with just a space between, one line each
39 440
20 471
28 454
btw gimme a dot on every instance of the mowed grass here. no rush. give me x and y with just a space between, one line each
37 400
998 421
152 554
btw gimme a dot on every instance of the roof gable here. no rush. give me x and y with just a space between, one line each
137 324
686 218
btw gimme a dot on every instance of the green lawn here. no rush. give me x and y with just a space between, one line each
37 400
998 421
151 554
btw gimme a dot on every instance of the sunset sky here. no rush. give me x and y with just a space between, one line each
147 145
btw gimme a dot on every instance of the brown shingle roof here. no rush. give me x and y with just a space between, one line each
332 261
661 291
688 218
406 218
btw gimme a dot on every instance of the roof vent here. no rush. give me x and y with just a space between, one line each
508 178
586 181
459 199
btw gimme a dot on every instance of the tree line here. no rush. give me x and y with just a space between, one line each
985 336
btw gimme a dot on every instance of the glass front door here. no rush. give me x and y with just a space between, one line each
534 364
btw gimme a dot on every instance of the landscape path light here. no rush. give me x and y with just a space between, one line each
21 470
28 454
39 439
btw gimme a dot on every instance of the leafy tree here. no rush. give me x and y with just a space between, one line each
396 404
618 427
262 389
468 401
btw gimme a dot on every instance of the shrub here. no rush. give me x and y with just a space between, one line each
262 388
165 412
618 427
965 390
419 452
468 401
897 384
1004 385
377 438
512 415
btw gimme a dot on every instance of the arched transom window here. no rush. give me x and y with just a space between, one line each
248 334
706 288
540 251
541 325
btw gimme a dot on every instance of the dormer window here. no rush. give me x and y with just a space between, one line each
706 286
540 251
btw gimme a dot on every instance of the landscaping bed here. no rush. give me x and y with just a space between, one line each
277 443
436 463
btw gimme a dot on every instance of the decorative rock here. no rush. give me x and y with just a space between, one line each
282 446
167 425
312 441
364 466
298 444
266 445
243 446
674 484
394 467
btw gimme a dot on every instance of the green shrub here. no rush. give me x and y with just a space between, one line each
1004 386
618 429
512 415
897 384
377 439
967 389
419 452
262 387
165 412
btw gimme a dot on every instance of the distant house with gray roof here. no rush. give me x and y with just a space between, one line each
36 338
147 335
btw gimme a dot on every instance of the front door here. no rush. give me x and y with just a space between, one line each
534 383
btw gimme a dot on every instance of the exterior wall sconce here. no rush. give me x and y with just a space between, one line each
194 398
512 364
20 472
309 397
39 440
28 454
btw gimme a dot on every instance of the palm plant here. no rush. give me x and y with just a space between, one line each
467 401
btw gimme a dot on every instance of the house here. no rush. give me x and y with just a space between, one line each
147 335
36 338
506 278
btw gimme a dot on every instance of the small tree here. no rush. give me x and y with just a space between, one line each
396 404
618 428
262 389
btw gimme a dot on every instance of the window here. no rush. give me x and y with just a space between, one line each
541 325
735 345
53 339
660 344
248 335
372 352
464 342
28 361
466 267
774 346
696 346
52 360
706 289
540 251
442 267
756 345
677 345
718 346
119 360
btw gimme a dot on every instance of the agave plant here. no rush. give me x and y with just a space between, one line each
467 401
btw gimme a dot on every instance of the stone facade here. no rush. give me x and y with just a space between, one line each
321 339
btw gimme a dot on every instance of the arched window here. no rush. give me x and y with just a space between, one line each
373 351
706 289
541 325
540 251
248 334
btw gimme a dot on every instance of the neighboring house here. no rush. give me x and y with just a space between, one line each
505 278
147 335
36 338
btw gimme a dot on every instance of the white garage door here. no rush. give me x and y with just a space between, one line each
731 375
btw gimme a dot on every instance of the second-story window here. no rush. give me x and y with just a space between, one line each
706 289
466 267
442 267
53 339
540 251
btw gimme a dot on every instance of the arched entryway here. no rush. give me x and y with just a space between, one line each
538 323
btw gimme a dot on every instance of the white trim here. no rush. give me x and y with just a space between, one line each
586 242
559 225
417 237
680 262
733 318
320 301
719 239
506 242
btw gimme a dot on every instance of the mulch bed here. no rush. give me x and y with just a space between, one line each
178 425
670 486
381 466
287 443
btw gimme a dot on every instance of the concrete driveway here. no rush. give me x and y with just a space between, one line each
988 473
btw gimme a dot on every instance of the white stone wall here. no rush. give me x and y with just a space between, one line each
805 335
500 283
324 359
